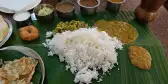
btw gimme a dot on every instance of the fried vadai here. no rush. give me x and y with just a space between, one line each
122 30
140 57
29 33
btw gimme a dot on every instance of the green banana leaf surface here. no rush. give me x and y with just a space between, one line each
123 73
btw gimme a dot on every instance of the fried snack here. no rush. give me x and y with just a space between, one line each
140 57
122 30
18 71
29 33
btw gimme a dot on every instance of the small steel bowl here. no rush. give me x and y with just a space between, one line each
24 22
114 6
47 18
85 10
65 15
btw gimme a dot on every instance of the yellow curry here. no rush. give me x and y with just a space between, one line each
122 30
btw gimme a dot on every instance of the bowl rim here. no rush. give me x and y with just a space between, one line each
78 1
41 5
116 2
73 8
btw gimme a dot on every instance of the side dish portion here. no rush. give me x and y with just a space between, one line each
72 25
19 71
29 33
122 30
140 57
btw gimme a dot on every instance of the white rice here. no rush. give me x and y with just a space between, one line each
85 51
49 34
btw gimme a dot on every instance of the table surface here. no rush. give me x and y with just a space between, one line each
159 27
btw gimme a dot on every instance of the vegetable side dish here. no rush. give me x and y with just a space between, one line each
45 11
72 25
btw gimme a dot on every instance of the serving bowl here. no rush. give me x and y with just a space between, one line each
88 10
9 32
21 19
114 6
44 18
65 14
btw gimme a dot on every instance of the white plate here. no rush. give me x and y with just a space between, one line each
29 7
9 32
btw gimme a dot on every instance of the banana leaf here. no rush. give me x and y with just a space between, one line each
124 73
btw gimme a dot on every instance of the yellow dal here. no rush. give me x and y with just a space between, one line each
122 30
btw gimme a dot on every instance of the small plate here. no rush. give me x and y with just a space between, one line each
29 7
9 32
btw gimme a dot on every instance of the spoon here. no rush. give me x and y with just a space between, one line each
28 52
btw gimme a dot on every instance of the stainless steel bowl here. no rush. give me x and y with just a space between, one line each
114 6
22 23
85 10
9 32
46 18
65 15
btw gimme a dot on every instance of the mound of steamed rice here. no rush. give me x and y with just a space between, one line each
85 51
